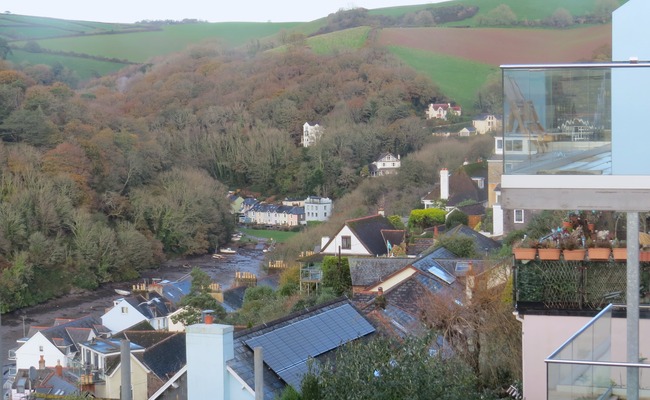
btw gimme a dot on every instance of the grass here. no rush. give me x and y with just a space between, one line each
347 39
85 68
457 78
277 236
524 10
141 46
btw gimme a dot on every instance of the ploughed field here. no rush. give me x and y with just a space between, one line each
498 46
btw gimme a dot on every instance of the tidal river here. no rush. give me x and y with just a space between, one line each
16 324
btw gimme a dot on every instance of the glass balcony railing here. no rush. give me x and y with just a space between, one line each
572 119
583 367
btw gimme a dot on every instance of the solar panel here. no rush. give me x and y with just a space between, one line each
287 349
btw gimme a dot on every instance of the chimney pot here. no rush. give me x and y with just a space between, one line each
380 291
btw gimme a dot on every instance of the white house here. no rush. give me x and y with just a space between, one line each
467 131
127 312
310 134
485 123
440 111
56 344
317 208
367 236
386 164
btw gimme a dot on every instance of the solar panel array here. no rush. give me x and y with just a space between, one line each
287 349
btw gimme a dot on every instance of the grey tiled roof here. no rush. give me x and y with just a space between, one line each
368 271
242 363
481 242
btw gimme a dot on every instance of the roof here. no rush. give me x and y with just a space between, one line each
419 245
481 242
407 294
297 332
166 356
393 236
368 271
472 209
369 231
70 332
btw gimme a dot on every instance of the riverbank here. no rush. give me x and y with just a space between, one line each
80 303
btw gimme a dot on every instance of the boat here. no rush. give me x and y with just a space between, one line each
227 250
217 256
122 292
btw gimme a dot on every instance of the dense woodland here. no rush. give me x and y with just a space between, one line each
100 182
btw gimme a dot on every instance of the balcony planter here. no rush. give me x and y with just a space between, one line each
620 253
549 254
522 253
574 255
599 253
644 256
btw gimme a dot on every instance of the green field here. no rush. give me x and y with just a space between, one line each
457 78
141 46
348 39
277 236
85 68
525 10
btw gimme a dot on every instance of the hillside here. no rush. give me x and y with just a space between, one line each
103 181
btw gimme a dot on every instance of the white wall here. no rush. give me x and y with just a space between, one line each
117 321
29 353
356 248
629 104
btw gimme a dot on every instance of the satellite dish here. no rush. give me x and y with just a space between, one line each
32 373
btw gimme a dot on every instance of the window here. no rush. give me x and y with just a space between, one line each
519 216
514 145
125 310
40 348
346 242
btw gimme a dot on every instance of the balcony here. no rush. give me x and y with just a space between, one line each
584 366
575 132
574 285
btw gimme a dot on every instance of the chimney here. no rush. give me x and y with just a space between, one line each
381 212
444 184
208 348
380 291
41 363
58 369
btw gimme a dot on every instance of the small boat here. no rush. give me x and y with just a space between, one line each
122 292
217 256
227 250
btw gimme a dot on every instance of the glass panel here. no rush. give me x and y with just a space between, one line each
557 120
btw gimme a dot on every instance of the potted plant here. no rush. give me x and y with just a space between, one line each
548 250
601 250
619 249
526 249
572 249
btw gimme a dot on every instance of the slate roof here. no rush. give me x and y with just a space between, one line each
48 382
369 271
393 236
68 333
419 245
407 294
472 209
242 363
481 242
369 231
153 307
164 352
